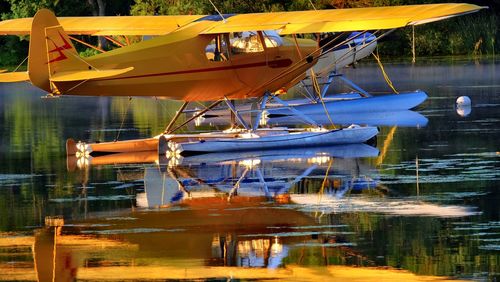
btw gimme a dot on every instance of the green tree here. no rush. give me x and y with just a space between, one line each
28 8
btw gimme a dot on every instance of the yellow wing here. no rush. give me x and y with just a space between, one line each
338 20
116 25
14 76
341 20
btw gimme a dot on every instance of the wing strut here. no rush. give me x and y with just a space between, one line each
86 44
295 111
197 115
177 114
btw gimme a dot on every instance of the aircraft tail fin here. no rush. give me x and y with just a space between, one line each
50 51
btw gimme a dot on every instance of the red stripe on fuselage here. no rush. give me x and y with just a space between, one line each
272 64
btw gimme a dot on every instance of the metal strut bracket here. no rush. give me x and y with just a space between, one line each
200 113
236 113
295 111
353 85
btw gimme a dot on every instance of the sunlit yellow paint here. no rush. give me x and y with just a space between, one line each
90 74
296 22
340 20
14 76
176 66
109 25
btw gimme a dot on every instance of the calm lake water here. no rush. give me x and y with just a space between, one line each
423 203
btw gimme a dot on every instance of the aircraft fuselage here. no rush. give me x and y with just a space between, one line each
178 66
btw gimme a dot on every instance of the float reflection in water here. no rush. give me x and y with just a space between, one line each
268 174
271 175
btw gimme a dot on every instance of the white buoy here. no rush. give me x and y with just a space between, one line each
463 106
463 101
463 111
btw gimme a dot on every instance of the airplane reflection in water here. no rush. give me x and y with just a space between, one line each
66 255
272 175
403 118
209 215
230 215
281 176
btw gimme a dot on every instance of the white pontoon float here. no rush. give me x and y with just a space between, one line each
352 103
228 141
335 104
405 118
270 139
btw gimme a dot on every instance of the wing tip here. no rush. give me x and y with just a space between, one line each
8 77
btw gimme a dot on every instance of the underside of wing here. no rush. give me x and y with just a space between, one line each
116 25
68 76
341 20
14 76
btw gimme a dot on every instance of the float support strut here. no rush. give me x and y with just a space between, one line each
331 76
236 114
353 85
200 113
295 111
177 114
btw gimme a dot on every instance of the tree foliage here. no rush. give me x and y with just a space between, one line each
27 8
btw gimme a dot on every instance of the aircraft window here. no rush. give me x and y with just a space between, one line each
272 39
218 50
246 42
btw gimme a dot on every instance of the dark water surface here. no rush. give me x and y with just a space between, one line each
424 201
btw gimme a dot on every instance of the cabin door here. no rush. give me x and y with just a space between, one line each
250 58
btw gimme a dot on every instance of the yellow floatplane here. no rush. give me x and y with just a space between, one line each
202 58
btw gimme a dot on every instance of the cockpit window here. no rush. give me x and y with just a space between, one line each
246 42
217 50
222 46
272 39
